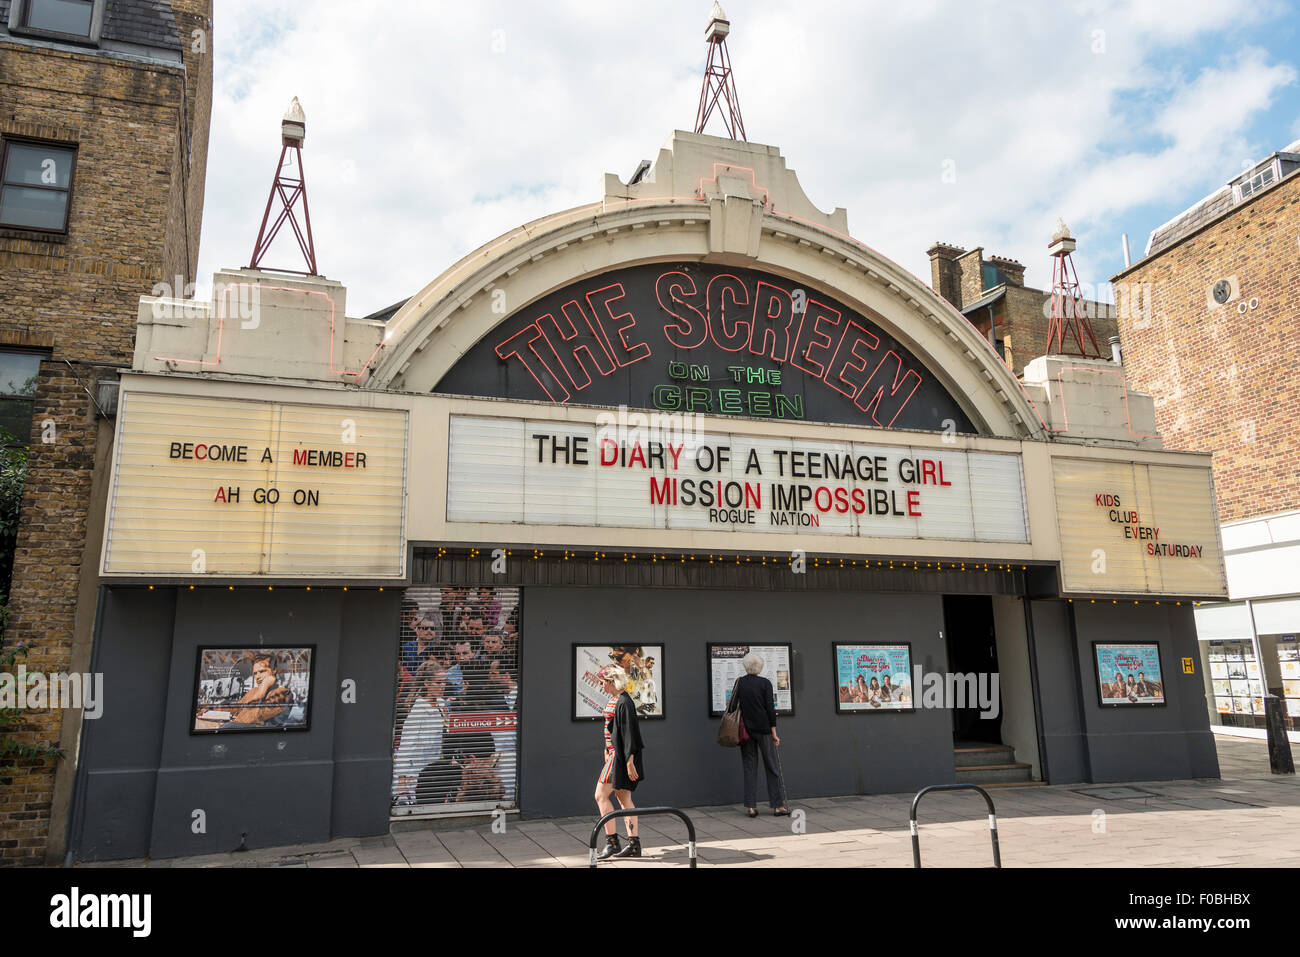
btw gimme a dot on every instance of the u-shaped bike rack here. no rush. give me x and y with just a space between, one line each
993 818
642 812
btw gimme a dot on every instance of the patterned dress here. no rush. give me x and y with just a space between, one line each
607 772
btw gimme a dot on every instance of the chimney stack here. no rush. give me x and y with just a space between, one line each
1012 270
945 274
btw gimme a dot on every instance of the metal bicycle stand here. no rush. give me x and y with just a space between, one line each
993 819
642 812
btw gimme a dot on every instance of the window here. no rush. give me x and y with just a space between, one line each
35 186
1257 180
73 21
73 17
992 276
18 371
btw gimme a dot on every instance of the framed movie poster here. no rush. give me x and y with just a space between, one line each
1129 674
725 666
644 665
253 689
873 678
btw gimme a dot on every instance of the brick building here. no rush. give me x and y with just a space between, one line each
104 115
1218 347
992 294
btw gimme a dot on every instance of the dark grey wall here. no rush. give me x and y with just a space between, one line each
145 775
120 749
1146 744
1058 684
823 753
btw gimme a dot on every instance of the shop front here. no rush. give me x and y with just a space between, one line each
1250 650
356 574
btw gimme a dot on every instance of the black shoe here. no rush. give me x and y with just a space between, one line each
751 811
611 848
781 812
633 848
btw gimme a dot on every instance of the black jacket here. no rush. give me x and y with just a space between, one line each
626 736
756 709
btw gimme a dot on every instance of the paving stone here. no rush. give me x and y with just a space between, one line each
1248 818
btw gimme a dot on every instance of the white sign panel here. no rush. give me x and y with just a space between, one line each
1129 528
726 664
550 473
223 487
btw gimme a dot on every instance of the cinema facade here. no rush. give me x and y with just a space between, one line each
690 419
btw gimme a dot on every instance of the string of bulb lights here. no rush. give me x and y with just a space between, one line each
816 562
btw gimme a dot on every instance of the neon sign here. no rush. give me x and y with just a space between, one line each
733 342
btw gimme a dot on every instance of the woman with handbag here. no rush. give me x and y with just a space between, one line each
622 769
758 713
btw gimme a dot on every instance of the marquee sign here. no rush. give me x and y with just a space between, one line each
503 470
223 487
707 340
1131 528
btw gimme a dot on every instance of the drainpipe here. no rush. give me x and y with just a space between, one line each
1116 356
1027 604
1085 743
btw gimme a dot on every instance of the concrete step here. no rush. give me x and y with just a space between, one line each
1012 784
972 755
1018 772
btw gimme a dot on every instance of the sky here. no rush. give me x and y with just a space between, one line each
434 127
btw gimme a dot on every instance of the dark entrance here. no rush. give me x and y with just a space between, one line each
972 649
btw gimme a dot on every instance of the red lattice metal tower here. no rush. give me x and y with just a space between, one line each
719 84
1067 324
289 189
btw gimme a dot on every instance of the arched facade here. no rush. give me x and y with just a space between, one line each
734 219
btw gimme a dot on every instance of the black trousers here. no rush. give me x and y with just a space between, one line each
749 752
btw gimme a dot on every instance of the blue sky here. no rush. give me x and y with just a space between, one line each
434 127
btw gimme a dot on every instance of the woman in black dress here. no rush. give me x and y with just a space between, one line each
622 769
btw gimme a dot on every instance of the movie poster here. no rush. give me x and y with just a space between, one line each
725 666
873 678
644 665
1129 674
252 689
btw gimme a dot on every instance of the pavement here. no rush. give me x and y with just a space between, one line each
1247 818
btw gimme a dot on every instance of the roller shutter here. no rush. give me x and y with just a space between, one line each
455 733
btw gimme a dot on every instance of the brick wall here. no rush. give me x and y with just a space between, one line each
141 135
1025 320
972 275
1020 316
43 597
1223 381
194 25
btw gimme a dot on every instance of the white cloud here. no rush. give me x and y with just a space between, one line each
434 127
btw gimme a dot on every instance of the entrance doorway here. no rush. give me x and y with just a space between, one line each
972 649
455 732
